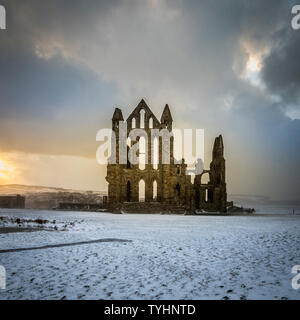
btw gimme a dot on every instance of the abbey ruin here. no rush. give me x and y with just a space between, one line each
160 187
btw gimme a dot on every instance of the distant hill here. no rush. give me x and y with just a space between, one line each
41 197
8 189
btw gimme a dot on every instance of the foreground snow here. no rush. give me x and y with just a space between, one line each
170 257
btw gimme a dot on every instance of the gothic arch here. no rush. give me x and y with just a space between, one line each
150 123
142 118
155 155
133 123
204 178
154 190
142 190
142 153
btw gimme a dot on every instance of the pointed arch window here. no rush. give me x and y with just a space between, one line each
133 123
142 118
142 191
151 123
142 153
205 178
155 156
154 190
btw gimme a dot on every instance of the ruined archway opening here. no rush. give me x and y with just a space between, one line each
142 191
142 153
154 197
155 156
142 118
151 123
133 123
205 178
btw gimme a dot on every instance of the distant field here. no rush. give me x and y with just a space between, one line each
39 197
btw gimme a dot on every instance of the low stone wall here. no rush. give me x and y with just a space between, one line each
151 207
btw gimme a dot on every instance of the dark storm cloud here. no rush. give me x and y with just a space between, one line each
281 71
65 65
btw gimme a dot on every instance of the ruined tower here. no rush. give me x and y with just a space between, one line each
211 195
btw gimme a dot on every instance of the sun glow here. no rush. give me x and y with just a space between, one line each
252 71
253 64
7 171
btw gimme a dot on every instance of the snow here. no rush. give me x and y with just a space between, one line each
169 257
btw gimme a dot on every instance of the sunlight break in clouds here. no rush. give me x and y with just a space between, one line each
7 171
254 64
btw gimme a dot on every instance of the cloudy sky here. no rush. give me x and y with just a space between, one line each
230 67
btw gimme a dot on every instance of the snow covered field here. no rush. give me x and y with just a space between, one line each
169 257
